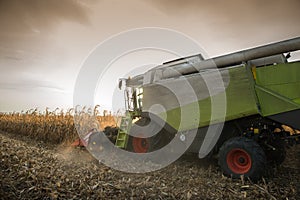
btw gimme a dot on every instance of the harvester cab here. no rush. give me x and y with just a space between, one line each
133 95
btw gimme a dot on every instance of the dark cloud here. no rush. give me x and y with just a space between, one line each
26 24
236 14
234 24
18 16
230 7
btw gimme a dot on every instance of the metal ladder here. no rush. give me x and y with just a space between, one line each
122 137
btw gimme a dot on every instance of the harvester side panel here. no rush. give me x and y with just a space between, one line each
239 97
278 85
278 91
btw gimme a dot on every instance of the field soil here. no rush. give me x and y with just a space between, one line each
35 170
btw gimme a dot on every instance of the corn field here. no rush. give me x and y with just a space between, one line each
56 126
33 171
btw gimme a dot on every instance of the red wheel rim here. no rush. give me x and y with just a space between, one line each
239 161
140 145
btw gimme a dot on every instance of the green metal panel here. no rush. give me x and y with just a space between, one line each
240 96
278 88
240 103
297 101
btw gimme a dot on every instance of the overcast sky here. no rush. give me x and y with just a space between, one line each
43 43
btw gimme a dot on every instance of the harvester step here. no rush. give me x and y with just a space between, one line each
122 136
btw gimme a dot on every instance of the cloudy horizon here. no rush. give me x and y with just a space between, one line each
43 43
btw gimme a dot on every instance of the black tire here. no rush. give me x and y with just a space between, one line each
138 145
242 156
145 127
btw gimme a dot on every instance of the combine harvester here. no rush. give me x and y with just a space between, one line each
262 93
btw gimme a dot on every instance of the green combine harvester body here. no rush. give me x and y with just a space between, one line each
266 90
256 81
249 95
238 93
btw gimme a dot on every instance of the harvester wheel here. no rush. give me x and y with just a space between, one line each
139 144
242 156
144 144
